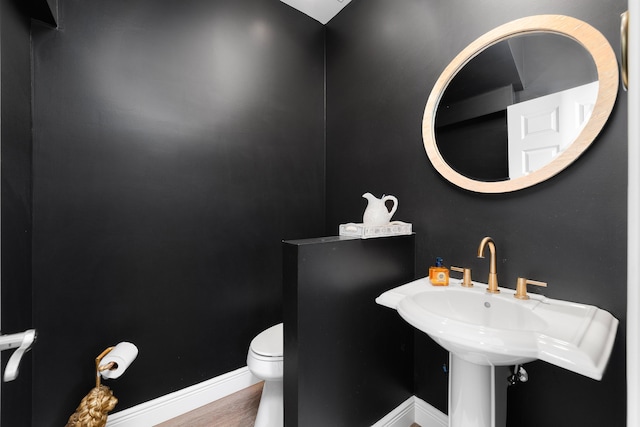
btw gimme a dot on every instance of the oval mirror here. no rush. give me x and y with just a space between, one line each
520 103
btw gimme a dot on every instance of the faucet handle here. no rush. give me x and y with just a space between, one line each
521 287
466 276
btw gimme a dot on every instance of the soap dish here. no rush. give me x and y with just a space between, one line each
394 228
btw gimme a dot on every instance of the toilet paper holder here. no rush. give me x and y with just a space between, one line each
106 367
118 359
95 406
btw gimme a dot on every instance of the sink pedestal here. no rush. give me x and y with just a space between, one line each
476 397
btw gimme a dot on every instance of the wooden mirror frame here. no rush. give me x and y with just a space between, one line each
606 66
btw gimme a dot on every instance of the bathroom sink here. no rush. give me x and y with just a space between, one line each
500 330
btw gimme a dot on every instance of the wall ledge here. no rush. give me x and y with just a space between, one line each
182 401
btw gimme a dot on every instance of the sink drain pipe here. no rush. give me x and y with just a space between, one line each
518 375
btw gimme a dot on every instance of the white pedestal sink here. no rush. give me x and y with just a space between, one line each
482 331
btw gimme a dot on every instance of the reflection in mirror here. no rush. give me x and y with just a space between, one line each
516 106
520 103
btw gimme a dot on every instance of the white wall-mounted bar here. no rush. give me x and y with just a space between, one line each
23 342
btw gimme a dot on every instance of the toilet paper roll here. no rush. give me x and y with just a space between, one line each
123 355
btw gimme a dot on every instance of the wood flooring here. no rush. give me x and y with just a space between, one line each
236 410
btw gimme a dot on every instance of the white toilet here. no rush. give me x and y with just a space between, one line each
266 361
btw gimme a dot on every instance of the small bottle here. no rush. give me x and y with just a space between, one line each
433 267
439 274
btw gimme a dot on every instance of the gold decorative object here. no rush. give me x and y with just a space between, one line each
94 407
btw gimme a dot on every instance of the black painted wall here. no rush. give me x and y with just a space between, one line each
383 58
348 361
15 135
175 145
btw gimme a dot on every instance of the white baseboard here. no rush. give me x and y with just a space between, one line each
403 415
429 416
182 401
414 410
172 405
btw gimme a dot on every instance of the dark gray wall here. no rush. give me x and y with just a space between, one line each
383 58
16 199
175 145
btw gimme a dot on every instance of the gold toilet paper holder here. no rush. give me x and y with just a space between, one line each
101 368
95 406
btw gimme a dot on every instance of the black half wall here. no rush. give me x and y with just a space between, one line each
175 145
347 360
383 58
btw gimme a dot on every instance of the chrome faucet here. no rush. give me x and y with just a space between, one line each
493 275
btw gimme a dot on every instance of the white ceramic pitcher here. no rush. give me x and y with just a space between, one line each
377 212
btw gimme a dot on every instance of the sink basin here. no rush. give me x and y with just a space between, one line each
499 330
475 325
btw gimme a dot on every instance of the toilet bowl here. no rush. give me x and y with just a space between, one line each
265 360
